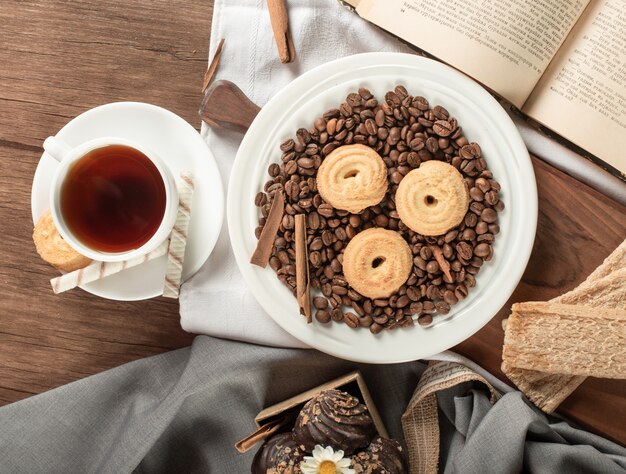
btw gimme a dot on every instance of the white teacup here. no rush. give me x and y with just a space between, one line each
68 156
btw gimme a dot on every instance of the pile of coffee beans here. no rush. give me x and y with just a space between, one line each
405 131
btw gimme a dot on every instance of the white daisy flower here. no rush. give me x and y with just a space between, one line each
326 461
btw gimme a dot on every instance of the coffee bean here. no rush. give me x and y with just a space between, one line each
331 126
401 91
485 238
464 250
476 194
375 328
413 159
328 148
489 215
320 125
432 145
492 198
320 302
260 199
460 292
354 100
332 113
288 222
425 319
275 263
469 234
420 263
393 99
442 128
483 184
291 167
451 235
381 220
413 294
482 250
351 320
381 319
477 208
287 145
322 316
432 267
442 307
336 315
371 127
273 170
306 163
325 210
481 228
449 297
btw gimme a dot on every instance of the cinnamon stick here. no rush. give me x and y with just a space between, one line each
210 72
264 246
443 263
280 27
303 284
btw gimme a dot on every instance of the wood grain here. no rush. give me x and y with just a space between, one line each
59 59
578 228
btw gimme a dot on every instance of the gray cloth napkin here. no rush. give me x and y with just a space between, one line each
184 410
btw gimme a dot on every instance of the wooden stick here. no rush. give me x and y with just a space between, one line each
303 284
280 26
210 72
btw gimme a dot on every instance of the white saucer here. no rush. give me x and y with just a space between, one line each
482 119
182 149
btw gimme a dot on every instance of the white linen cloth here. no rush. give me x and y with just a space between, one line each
216 300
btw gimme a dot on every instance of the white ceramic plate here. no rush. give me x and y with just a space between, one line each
483 121
182 149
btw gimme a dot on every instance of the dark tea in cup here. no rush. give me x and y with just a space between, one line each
113 199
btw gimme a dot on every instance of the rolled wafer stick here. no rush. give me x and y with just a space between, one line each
99 270
178 237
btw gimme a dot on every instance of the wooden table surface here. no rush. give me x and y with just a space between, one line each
61 58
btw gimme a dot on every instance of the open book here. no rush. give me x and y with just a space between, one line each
561 62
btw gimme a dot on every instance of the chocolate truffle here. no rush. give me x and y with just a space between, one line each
280 455
334 418
382 456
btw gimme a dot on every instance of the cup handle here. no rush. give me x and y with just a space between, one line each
56 148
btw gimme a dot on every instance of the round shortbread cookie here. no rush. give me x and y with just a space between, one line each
54 249
377 262
433 198
352 177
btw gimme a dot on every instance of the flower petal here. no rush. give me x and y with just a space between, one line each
328 452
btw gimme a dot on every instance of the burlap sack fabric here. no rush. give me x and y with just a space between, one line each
420 421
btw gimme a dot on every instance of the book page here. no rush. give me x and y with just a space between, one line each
582 95
505 44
